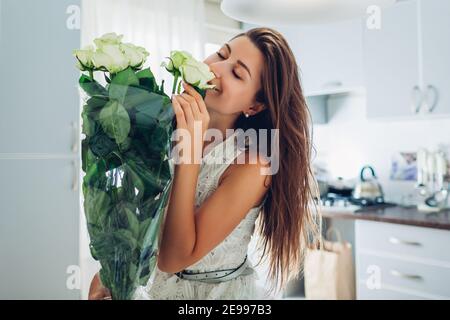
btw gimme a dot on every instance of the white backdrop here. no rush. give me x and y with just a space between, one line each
158 25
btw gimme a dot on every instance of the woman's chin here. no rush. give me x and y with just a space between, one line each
212 92
210 95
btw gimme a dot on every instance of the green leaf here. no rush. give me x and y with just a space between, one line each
97 102
88 126
132 182
115 121
113 161
92 88
125 145
143 227
111 244
145 73
136 96
97 204
147 80
167 114
101 145
94 105
132 272
87 158
118 217
147 111
146 272
126 77
133 222
126 238
95 174
120 84
94 230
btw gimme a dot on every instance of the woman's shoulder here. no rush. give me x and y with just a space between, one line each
251 166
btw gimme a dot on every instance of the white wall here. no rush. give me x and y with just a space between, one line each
349 140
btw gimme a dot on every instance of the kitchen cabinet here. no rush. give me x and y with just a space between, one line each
329 56
39 149
329 59
406 65
39 228
39 78
401 262
391 62
436 55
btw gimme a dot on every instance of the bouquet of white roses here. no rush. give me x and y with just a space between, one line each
127 126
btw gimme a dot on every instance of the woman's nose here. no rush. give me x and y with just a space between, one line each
214 69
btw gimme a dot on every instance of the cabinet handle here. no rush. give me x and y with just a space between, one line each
434 90
399 274
416 105
75 137
333 84
75 176
394 240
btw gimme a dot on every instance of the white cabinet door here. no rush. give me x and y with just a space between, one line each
436 54
391 62
38 83
39 223
401 262
329 56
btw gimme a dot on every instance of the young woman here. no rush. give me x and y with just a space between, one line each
214 206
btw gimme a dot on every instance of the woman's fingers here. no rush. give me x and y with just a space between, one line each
187 109
196 96
193 103
178 111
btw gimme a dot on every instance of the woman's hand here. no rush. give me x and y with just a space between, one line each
192 118
97 291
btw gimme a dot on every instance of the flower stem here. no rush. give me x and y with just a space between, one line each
91 74
174 84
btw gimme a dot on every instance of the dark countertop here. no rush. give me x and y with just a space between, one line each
398 214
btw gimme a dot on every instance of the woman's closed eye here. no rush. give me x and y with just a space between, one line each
222 57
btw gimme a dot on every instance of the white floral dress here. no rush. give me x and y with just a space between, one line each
229 254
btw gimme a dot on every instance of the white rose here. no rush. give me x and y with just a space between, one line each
136 55
108 39
111 58
197 73
176 60
84 57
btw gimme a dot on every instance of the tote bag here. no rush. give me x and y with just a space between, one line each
329 270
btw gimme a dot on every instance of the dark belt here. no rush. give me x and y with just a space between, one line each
218 275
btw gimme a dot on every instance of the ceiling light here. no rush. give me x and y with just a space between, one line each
292 12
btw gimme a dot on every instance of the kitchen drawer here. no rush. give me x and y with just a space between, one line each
364 293
417 243
424 279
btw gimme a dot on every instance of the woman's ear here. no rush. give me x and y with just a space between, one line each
256 108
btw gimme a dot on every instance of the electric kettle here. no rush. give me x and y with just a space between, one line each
368 190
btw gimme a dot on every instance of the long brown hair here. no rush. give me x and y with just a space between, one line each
288 222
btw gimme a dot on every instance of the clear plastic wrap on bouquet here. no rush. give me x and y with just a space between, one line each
127 126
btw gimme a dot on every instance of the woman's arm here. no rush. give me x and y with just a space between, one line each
189 235
178 237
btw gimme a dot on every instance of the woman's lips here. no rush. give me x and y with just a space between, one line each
215 88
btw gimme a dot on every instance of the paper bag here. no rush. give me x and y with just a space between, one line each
329 271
